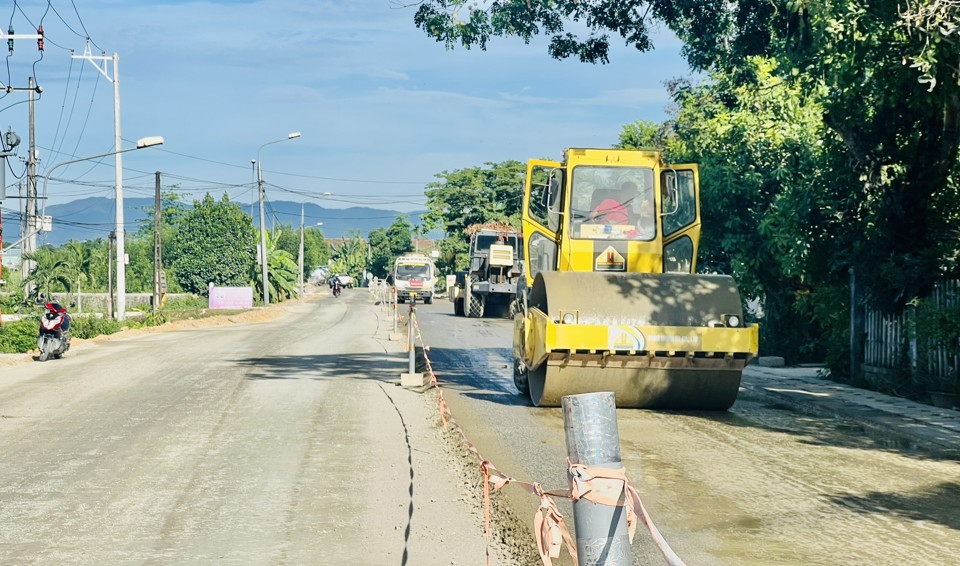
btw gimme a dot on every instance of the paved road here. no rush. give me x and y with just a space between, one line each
284 442
289 442
800 471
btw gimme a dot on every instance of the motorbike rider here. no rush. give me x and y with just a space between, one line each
335 282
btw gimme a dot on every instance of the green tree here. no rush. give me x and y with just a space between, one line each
287 238
766 200
216 243
283 270
380 257
351 256
76 262
172 211
886 73
139 272
470 196
49 274
386 244
643 134
316 250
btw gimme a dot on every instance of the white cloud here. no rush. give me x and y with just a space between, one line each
376 100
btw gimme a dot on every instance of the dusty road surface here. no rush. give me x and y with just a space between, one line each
281 437
281 442
762 484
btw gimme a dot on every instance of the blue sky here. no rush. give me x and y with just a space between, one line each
381 107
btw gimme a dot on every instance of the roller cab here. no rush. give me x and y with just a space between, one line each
610 301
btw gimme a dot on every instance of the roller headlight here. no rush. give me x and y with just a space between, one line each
568 318
731 320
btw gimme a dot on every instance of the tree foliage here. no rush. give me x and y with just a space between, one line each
351 256
476 195
770 213
886 74
386 244
50 273
216 243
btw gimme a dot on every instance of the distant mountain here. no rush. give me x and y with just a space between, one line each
95 217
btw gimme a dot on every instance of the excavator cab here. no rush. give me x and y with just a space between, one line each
610 300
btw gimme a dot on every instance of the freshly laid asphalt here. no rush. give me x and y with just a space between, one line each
805 389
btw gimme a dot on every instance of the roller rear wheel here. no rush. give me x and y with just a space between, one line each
476 306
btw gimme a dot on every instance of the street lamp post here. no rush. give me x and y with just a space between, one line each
300 257
263 226
141 144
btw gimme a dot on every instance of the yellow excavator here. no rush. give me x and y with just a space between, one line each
610 300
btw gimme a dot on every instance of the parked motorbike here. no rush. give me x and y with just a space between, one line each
54 338
336 288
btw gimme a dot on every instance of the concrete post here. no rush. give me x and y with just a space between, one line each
590 422
411 378
411 343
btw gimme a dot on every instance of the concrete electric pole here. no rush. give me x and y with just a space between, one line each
97 61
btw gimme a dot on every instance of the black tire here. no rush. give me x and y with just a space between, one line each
458 307
476 306
428 300
44 351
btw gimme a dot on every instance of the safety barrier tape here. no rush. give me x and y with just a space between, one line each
599 485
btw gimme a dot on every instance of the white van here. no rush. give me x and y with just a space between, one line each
414 274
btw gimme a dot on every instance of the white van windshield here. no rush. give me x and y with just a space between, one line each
407 270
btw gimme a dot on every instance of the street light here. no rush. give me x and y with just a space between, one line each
263 226
300 257
142 143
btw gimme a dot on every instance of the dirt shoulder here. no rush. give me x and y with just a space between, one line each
208 319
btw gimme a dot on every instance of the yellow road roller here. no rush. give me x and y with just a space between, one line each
610 300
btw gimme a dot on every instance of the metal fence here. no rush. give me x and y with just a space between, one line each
889 343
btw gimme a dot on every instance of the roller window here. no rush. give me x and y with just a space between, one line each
679 193
542 254
678 256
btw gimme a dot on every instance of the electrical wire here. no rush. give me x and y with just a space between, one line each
86 33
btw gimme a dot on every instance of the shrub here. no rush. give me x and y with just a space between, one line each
19 337
85 327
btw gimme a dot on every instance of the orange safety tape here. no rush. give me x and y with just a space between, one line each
599 485
607 486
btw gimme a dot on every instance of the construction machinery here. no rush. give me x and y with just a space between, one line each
610 300
489 285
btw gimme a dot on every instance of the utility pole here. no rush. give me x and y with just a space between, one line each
10 36
30 245
253 168
96 61
264 271
10 142
301 250
110 274
157 265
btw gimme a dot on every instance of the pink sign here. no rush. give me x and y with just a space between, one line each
231 297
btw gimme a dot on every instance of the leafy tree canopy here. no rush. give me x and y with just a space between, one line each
886 73
476 195
216 243
386 244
